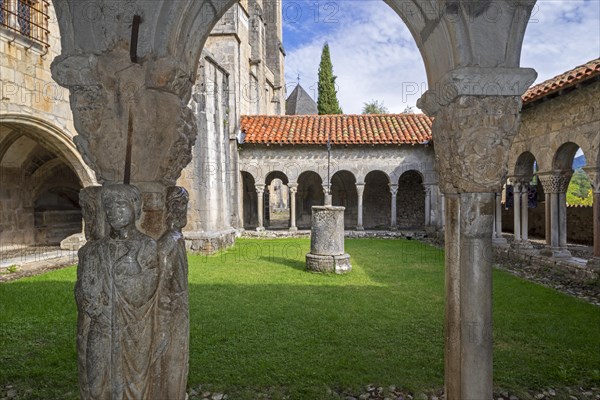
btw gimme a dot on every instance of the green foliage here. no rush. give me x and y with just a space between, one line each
374 107
580 190
260 322
327 103
11 269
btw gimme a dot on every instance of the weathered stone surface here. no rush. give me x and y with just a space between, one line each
173 334
472 135
116 293
327 237
328 264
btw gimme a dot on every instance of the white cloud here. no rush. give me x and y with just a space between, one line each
375 57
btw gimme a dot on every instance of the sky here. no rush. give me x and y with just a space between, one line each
375 58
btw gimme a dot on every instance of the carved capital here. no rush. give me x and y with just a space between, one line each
360 188
472 138
293 187
393 189
109 94
260 189
555 182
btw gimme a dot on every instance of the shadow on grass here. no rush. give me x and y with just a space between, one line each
294 264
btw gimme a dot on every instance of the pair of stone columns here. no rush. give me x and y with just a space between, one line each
497 237
555 186
260 192
521 213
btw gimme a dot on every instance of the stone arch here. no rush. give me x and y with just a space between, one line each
249 201
42 175
563 157
276 198
525 165
377 201
410 201
310 193
344 193
50 137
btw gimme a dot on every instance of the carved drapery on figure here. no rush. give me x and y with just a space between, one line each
173 316
133 329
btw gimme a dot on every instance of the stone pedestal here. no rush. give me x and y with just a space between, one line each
327 241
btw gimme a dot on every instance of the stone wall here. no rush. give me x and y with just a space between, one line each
579 225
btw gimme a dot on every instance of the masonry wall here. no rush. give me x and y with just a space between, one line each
579 225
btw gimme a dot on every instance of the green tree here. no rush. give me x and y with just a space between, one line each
580 189
327 102
374 107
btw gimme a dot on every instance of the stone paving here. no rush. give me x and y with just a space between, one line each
374 392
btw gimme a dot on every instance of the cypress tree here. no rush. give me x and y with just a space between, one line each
327 102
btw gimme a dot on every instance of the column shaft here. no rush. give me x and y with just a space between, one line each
562 220
293 191
498 215
360 191
428 206
394 218
554 224
261 207
548 224
517 212
524 214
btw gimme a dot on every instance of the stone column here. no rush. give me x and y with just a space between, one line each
498 239
360 190
555 183
293 190
328 198
594 174
394 218
123 138
517 212
260 194
473 137
427 205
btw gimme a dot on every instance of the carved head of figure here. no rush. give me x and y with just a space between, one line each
177 201
122 204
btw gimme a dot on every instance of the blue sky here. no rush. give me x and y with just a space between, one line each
375 57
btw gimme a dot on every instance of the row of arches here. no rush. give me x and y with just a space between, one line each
376 203
550 193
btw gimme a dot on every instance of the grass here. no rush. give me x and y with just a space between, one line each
259 321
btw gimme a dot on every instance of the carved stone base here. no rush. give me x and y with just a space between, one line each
499 241
209 242
260 229
328 264
360 228
294 229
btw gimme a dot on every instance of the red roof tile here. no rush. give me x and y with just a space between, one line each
343 129
563 81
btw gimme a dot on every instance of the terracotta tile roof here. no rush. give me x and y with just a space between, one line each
343 129
563 81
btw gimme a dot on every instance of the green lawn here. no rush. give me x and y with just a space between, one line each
259 321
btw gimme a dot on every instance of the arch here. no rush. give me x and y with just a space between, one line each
344 193
525 165
310 193
564 156
249 201
276 175
377 201
52 138
410 201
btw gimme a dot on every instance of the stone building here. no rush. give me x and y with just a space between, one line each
381 169
41 171
240 71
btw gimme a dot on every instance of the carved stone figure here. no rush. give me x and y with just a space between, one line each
173 316
116 290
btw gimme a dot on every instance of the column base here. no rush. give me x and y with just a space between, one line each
393 228
594 264
360 228
293 229
260 229
555 252
499 241
328 264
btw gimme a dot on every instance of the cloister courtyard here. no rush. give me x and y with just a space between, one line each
263 327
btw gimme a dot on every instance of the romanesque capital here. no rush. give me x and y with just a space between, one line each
393 189
260 188
293 187
360 188
119 104
472 137
555 181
